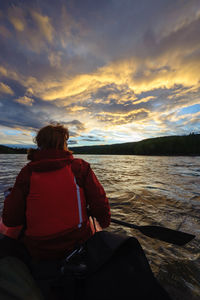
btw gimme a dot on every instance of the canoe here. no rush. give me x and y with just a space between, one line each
107 266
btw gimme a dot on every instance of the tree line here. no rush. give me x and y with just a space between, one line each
168 145
10 150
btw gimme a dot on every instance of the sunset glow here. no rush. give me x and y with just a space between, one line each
112 71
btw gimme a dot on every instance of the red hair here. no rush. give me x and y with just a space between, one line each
52 137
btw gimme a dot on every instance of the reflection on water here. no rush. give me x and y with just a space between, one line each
148 190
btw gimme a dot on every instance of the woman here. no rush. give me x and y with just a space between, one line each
51 196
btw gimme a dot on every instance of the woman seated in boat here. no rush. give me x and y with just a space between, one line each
51 196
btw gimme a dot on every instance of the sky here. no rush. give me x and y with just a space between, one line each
112 71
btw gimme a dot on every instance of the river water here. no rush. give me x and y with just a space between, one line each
147 190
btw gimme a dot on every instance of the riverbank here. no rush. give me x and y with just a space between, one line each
188 145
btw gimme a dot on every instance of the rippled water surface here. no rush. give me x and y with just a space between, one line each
148 190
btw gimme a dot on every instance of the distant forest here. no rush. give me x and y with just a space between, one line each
10 150
168 145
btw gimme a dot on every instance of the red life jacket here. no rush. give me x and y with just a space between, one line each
55 203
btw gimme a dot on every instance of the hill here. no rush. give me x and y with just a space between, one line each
10 150
168 145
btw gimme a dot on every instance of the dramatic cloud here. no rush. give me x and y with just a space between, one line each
5 89
25 100
112 71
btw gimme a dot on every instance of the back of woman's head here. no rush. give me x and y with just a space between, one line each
52 137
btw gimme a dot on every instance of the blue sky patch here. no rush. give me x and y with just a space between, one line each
190 109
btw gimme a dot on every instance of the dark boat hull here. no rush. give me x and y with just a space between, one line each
116 268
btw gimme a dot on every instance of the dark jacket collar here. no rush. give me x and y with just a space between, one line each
49 160
51 154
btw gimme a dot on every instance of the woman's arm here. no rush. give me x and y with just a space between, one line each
96 198
15 202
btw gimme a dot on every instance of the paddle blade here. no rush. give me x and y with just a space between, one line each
168 235
161 233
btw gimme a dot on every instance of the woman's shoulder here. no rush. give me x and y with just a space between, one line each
80 161
80 167
24 174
